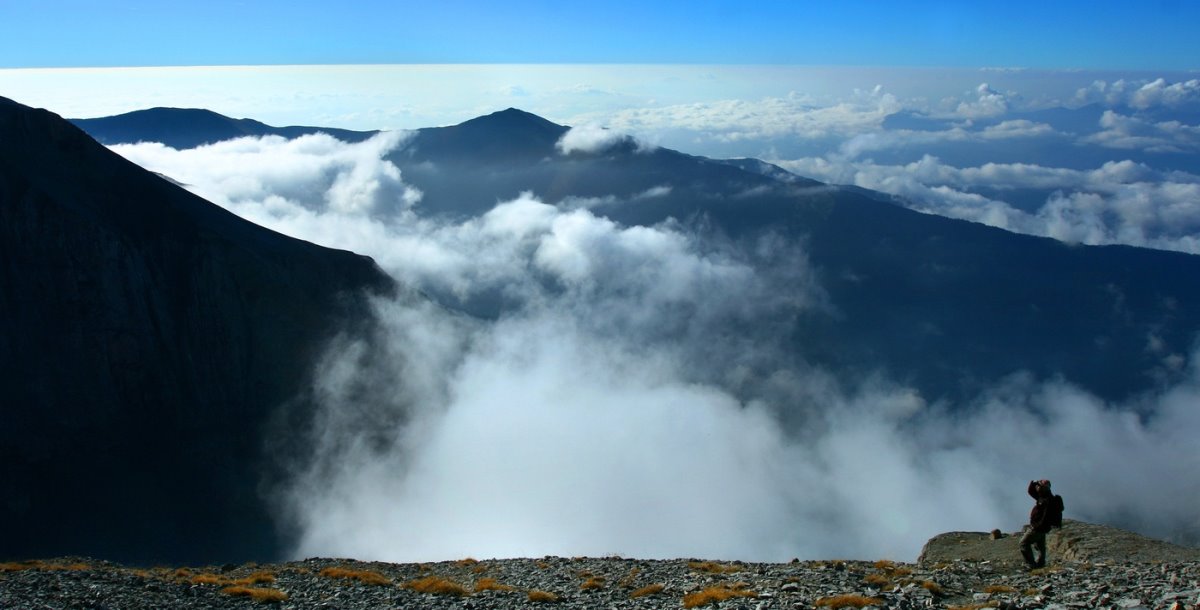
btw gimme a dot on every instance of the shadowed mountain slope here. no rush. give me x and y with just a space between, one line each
148 339
190 127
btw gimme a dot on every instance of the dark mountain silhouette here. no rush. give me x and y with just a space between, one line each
149 339
947 305
191 127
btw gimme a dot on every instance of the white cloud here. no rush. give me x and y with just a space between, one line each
1016 129
1133 133
736 120
638 385
986 102
1141 94
588 139
1121 202
892 139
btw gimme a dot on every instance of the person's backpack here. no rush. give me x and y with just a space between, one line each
1055 506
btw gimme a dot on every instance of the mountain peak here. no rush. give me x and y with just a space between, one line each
510 135
513 119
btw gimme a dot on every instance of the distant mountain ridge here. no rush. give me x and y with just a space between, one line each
191 127
945 305
150 339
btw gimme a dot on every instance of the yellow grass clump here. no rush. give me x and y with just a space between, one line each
933 587
593 582
491 584
999 589
879 580
257 578
543 597
851 600
208 579
367 577
436 585
654 589
712 567
258 594
713 595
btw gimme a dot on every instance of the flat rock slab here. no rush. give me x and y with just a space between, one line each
1076 541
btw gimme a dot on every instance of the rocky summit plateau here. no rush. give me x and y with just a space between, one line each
1091 566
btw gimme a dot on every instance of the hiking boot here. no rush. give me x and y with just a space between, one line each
1027 555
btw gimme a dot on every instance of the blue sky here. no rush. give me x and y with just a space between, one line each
1150 34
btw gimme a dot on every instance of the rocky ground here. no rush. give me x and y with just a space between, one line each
937 581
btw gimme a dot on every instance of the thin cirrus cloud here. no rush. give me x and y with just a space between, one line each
595 418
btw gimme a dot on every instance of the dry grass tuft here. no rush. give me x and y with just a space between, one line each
593 582
367 577
654 589
466 562
542 565
851 600
999 589
885 564
16 566
208 579
713 595
259 594
879 580
712 567
436 585
543 597
257 578
627 580
933 588
491 584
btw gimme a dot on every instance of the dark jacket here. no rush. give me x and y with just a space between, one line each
1047 512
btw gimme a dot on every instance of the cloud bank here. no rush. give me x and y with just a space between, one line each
633 395
1119 202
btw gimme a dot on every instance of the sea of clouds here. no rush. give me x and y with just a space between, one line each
625 402
1118 162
